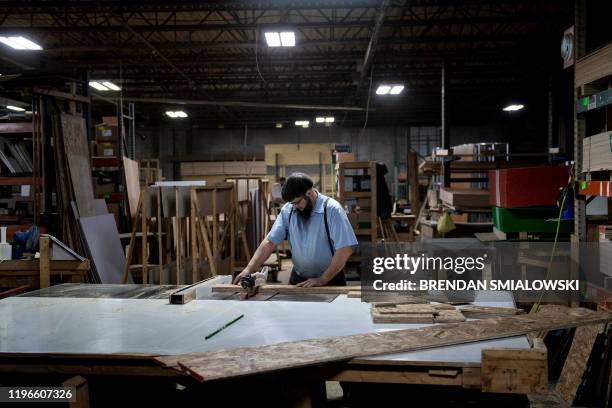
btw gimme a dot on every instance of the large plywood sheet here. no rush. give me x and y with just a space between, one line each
104 247
298 154
132 183
77 155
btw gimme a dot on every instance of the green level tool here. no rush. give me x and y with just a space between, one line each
223 327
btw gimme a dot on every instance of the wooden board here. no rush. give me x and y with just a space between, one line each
594 66
104 247
482 312
288 289
187 294
132 183
515 371
411 308
576 361
597 152
449 316
223 168
465 197
298 154
77 155
254 360
402 317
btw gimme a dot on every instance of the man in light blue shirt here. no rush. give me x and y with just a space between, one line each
319 234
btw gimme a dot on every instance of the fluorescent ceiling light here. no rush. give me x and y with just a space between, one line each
273 39
329 119
176 114
383 89
513 108
320 119
287 38
15 108
111 86
279 125
98 86
396 90
20 43
302 123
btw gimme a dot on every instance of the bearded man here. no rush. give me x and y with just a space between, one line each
319 233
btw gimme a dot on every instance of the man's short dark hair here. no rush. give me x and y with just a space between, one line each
296 186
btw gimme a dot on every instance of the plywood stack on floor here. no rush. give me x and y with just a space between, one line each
231 363
415 313
465 197
597 152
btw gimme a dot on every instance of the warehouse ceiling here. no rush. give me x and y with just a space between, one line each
214 55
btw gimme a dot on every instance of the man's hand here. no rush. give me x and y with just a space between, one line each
245 272
312 282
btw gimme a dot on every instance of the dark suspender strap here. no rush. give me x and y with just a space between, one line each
288 224
329 241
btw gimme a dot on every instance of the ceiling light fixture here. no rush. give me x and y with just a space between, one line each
320 119
330 119
280 39
513 108
111 86
302 123
176 114
98 86
389 89
20 43
15 108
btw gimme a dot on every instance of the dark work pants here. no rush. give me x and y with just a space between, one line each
338 280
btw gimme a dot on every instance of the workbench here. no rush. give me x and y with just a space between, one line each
82 329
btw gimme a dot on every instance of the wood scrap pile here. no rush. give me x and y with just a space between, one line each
415 313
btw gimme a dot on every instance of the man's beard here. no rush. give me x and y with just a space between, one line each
305 213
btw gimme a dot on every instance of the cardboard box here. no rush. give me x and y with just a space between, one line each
526 186
345 157
107 133
110 120
107 150
104 188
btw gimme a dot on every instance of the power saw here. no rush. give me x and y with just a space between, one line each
251 283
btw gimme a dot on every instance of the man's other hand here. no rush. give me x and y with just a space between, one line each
312 282
245 272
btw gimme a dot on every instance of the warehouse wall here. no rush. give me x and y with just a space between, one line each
384 144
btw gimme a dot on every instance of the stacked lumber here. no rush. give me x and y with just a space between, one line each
597 152
415 313
465 197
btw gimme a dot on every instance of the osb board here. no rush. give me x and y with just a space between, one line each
254 360
515 371
481 312
594 66
288 289
132 183
411 308
449 316
223 168
77 154
298 154
401 317
576 361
